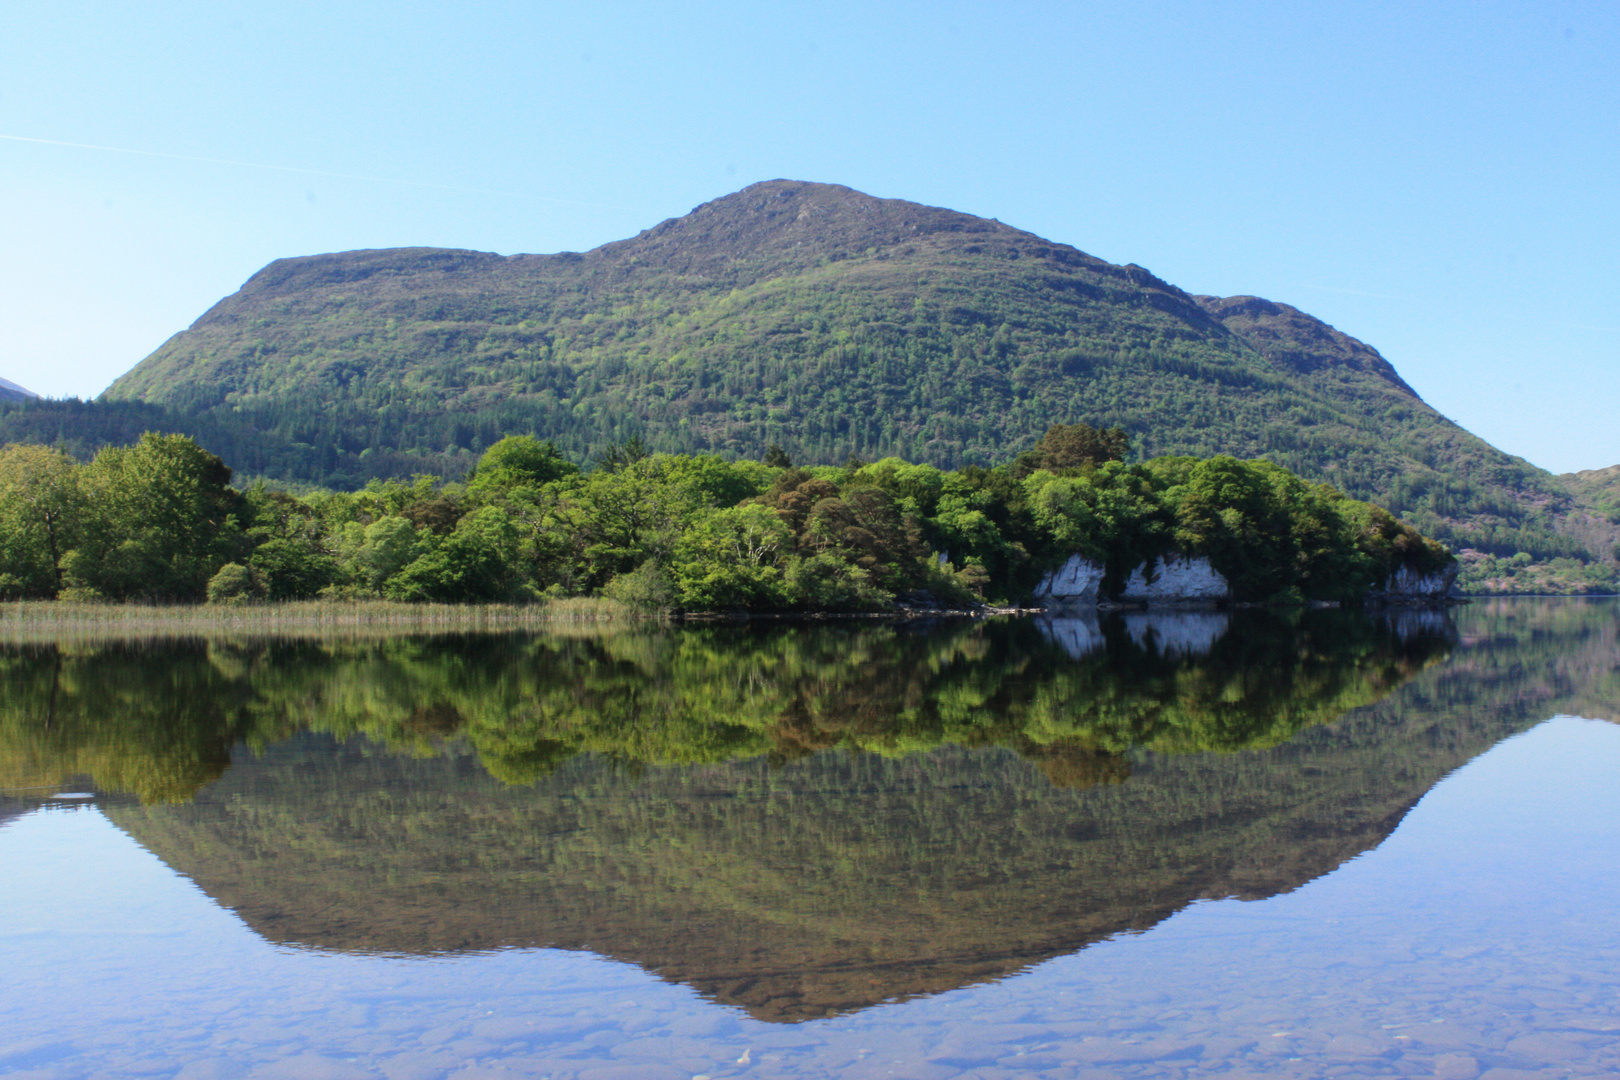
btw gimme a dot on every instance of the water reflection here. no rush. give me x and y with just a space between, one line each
797 821
159 720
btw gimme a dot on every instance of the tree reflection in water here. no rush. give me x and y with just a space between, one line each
798 820
158 720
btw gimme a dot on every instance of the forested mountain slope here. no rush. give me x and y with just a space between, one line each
1598 490
812 316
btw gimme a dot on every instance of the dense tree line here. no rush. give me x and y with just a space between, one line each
159 521
345 447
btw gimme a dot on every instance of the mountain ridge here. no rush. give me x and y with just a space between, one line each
827 321
10 391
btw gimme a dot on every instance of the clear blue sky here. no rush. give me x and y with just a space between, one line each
1439 180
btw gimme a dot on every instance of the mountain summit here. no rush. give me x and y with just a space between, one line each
825 320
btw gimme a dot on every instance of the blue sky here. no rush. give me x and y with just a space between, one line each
1439 180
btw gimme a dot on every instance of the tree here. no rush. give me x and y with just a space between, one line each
622 454
1071 447
475 563
519 461
41 510
160 522
730 558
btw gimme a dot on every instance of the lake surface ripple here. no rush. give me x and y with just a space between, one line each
1155 845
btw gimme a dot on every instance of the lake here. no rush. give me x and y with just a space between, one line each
1151 845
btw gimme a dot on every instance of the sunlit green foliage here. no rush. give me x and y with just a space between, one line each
155 521
41 507
662 531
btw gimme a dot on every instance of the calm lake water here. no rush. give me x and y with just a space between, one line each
1155 846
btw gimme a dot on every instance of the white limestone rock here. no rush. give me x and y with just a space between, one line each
1177 580
1072 585
1408 584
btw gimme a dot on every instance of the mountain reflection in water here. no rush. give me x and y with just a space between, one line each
796 820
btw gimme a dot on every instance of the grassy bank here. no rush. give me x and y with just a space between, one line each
53 620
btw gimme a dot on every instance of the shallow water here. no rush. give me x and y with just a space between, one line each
1339 847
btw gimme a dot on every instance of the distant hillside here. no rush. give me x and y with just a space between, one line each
1597 489
815 317
10 391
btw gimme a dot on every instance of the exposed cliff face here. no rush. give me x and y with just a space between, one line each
1176 580
1406 584
1073 586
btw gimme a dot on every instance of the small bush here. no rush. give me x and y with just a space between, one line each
646 588
232 585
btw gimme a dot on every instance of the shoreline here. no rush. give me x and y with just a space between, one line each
43 621
31 621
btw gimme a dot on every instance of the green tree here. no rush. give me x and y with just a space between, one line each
1068 448
41 514
731 558
519 461
162 520
478 562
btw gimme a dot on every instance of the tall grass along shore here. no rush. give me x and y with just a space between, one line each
35 621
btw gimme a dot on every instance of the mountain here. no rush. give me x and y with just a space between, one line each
812 316
10 391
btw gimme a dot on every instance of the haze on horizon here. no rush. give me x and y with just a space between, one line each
1439 183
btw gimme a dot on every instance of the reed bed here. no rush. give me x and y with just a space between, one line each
32 622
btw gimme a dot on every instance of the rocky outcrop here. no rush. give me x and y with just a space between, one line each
1176 580
1408 586
1072 586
